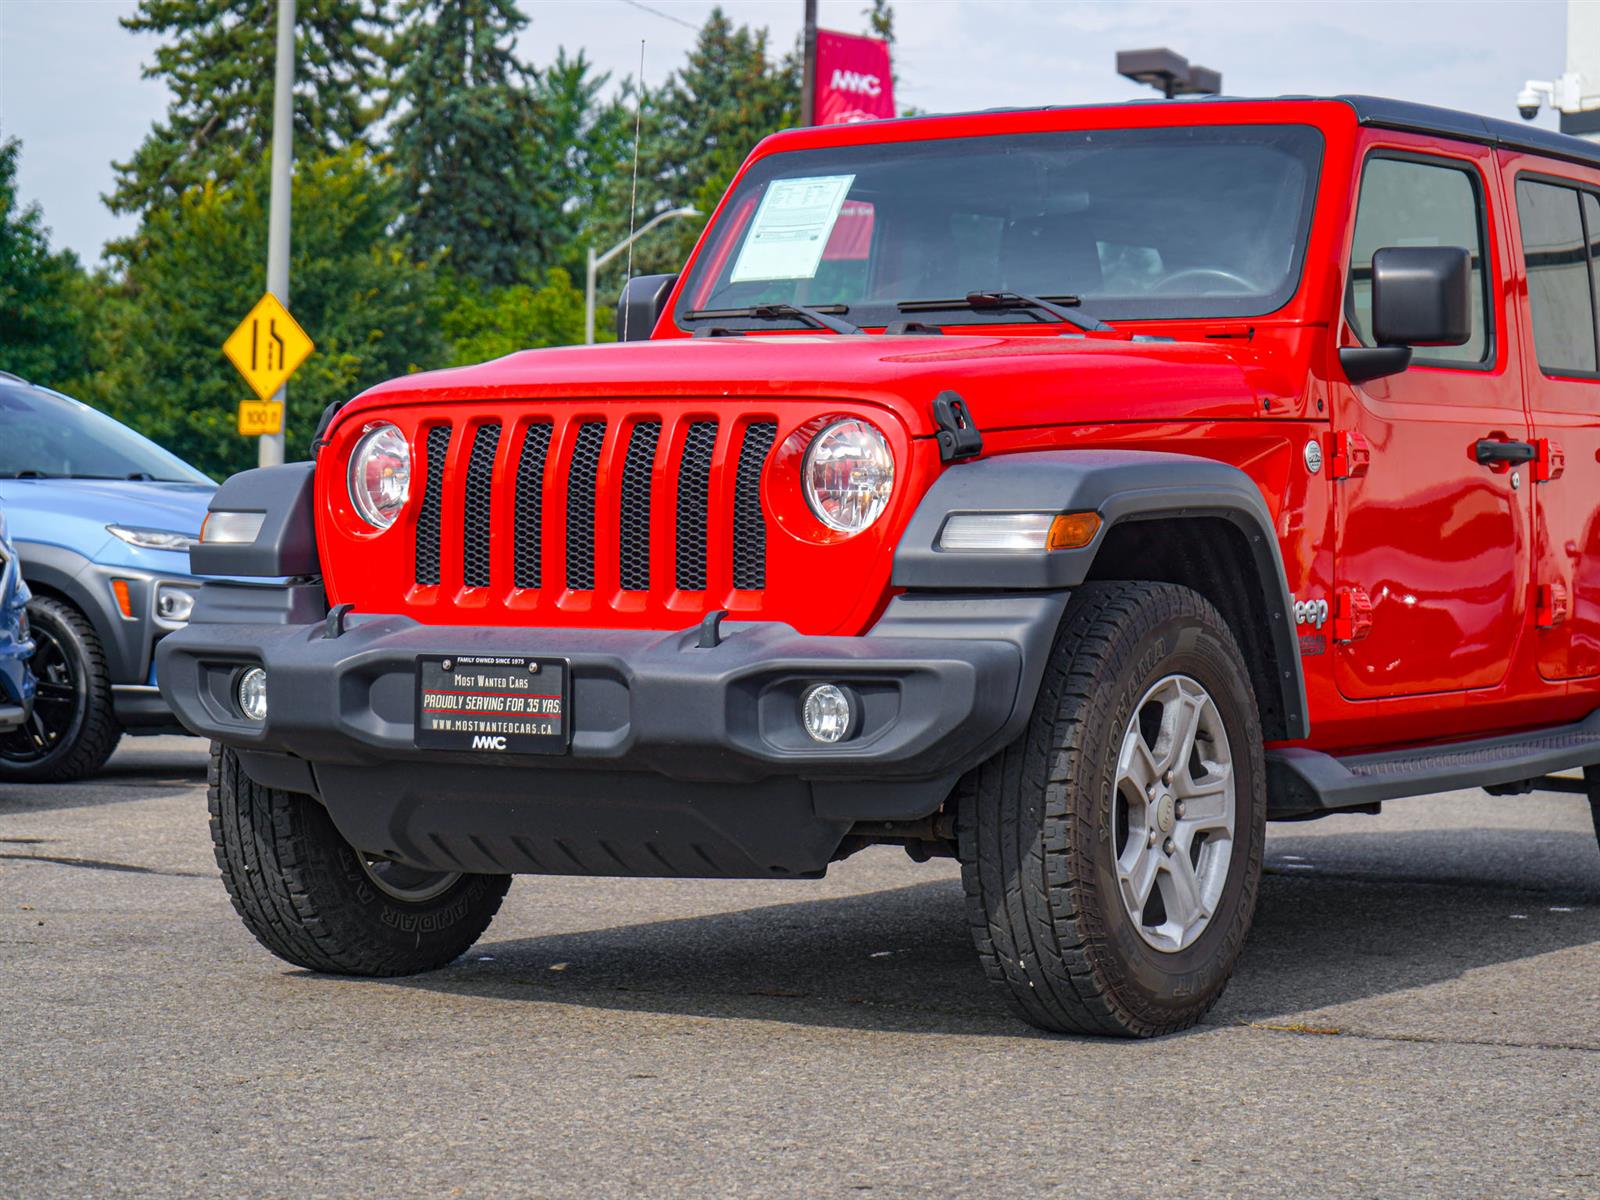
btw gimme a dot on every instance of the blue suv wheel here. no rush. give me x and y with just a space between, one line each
72 729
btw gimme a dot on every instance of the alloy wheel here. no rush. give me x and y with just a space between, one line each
1173 813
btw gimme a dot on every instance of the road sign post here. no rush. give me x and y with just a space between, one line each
270 450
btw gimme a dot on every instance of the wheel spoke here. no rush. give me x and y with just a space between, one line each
1208 802
1180 723
1139 879
1181 893
1137 764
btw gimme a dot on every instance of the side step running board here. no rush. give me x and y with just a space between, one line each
1303 782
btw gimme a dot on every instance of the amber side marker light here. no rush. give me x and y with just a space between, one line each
119 588
1018 531
1072 531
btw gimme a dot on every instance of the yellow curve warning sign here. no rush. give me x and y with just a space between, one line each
268 347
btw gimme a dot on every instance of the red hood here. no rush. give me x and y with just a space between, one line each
1007 381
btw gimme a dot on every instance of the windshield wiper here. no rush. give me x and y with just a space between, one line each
817 318
1058 307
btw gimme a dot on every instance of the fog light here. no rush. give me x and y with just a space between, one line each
827 713
252 694
174 604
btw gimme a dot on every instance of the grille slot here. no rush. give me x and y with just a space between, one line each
634 532
529 524
479 506
580 505
749 522
438 445
694 492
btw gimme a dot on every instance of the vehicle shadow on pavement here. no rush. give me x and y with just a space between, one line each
1374 914
140 769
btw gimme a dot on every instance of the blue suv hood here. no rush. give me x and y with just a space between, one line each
74 513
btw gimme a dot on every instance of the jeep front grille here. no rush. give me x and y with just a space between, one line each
609 479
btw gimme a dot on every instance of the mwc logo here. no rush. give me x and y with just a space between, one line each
857 82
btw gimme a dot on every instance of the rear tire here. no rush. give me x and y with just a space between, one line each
312 900
72 729
1057 834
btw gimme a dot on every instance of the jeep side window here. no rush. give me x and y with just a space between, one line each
1409 203
1560 295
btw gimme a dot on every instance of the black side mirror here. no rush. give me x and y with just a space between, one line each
644 299
1421 296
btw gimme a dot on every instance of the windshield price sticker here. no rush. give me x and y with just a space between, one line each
791 229
493 705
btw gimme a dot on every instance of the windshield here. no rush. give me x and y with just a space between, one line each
46 435
1205 221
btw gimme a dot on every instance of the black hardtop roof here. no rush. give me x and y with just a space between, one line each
1470 127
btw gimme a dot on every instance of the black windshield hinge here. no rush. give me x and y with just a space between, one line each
958 436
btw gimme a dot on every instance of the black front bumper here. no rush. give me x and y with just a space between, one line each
683 760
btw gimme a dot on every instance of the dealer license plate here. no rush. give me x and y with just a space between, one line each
492 704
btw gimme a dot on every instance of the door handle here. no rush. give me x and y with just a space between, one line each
1492 452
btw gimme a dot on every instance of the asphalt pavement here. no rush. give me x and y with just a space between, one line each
1417 1014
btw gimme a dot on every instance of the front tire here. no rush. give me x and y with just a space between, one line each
1111 855
73 728
312 900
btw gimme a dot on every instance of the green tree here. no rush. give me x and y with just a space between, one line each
466 138
217 59
41 294
482 323
365 303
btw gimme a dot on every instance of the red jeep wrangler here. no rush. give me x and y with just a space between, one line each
1068 491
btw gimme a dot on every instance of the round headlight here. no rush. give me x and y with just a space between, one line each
848 475
380 475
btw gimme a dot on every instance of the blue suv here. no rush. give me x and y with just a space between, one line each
102 519
16 680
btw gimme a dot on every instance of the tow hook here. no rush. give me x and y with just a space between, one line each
958 437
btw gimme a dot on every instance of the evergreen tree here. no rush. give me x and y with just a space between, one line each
466 137
699 127
41 294
217 58
587 144
368 307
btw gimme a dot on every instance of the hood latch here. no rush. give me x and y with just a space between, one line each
958 437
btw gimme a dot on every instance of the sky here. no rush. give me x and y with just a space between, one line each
70 85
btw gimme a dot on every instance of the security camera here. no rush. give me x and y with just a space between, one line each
1528 101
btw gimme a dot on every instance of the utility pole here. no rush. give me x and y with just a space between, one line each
808 84
270 448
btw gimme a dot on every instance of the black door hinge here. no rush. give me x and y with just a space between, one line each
958 436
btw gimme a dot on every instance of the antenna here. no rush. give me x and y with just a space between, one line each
633 200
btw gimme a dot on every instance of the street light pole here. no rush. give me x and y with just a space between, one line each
269 450
596 261
808 78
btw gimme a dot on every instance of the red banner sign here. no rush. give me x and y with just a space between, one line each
854 82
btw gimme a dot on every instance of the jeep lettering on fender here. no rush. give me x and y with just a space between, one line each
976 490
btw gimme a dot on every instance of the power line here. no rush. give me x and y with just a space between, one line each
665 16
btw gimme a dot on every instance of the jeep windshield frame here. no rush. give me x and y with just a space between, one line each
1140 224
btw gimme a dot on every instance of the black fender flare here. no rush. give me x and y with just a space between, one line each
1121 486
286 543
